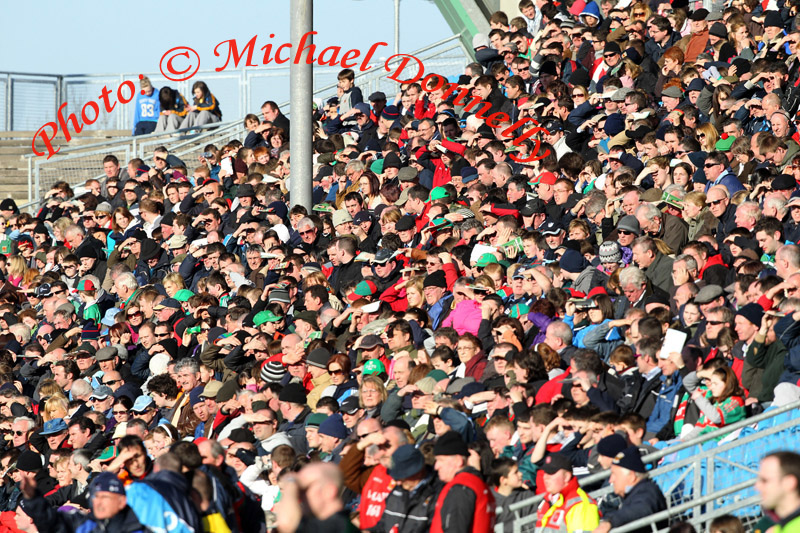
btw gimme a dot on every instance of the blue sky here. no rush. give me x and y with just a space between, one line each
90 37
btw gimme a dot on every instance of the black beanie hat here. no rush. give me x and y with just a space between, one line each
450 443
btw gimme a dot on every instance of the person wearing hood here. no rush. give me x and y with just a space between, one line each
590 16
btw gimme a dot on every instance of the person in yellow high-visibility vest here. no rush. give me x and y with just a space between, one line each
566 507
779 486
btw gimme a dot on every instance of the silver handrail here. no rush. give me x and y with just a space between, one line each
657 455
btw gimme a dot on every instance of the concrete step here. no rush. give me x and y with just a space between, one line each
85 134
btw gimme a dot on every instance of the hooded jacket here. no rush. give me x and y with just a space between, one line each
591 10
589 278
162 499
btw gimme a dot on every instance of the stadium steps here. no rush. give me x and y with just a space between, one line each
15 145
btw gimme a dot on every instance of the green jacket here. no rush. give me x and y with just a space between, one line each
770 360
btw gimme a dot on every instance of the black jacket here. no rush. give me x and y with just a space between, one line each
410 512
458 506
727 223
71 493
281 122
345 274
645 400
644 499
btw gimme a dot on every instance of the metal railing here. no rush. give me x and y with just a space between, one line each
27 101
690 472
77 164
81 165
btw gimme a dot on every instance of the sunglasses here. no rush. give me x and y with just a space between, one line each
613 54
715 202
625 232
136 314
111 382
336 372
709 165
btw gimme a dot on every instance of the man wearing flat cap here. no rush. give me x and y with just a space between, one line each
696 42
641 497
465 504
565 505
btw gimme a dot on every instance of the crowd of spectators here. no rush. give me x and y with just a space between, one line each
448 330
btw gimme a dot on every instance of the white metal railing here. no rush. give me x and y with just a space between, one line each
27 101
78 167
77 164
689 473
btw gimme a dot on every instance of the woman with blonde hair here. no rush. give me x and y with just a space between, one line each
173 282
371 395
56 406
16 270
707 136
388 218
408 294
695 212
633 76
578 230
28 278
49 387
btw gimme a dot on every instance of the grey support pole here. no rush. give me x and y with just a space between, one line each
396 27
301 89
